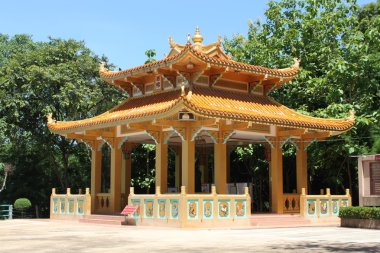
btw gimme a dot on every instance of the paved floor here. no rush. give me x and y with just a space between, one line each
60 236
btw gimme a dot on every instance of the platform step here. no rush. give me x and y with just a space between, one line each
286 220
103 219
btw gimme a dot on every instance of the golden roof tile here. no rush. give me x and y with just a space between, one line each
213 103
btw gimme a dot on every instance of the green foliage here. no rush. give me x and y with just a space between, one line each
143 160
360 212
250 165
339 47
22 204
151 53
37 78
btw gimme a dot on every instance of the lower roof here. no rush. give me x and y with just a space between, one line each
207 102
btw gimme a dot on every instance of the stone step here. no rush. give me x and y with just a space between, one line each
104 222
103 219
284 220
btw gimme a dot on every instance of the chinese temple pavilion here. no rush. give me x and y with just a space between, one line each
197 92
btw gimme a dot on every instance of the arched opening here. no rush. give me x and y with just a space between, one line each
249 164
143 168
204 162
289 161
106 168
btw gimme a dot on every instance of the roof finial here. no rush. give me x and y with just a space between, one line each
49 118
102 66
171 42
197 37
352 115
219 42
296 63
188 38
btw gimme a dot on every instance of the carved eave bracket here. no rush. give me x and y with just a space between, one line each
290 139
226 135
106 140
155 135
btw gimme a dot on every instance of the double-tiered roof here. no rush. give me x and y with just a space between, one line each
203 80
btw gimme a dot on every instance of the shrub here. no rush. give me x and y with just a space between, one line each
360 212
22 204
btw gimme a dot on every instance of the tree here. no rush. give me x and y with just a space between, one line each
37 78
151 53
338 44
6 169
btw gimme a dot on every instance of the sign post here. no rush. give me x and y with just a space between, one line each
127 211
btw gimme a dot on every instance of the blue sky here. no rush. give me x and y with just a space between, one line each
124 30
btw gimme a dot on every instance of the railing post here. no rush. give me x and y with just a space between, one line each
349 197
302 202
182 207
213 190
88 202
53 192
131 194
248 198
158 190
10 210
68 191
183 190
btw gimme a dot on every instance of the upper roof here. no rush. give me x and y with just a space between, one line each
288 73
206 60
211 103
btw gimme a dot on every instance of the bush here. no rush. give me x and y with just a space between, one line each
22 204
360 212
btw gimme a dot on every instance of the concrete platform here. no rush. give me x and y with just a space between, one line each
256 221
69 236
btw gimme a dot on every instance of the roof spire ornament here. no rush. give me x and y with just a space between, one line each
296 64
171 42
102 66
219 42
188 39
197 37
49 118
351 115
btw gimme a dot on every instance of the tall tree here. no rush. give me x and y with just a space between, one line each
338 44
37 78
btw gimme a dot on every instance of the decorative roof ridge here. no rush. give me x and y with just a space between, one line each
350 118
53 124
146 96
292 71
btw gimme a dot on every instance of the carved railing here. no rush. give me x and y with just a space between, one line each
69 206
192 210
103 203
291 202
325 205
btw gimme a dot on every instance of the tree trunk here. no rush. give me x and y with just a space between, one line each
4 182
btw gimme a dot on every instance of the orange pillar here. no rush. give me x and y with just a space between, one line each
162 166
276 177
126 170
115 198
301 158
96 161
220 167
188 163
